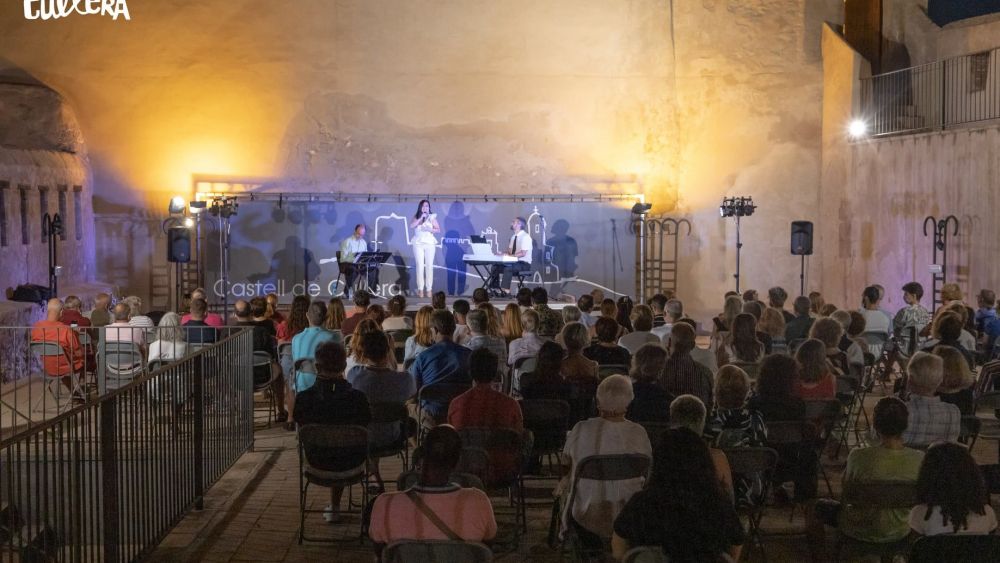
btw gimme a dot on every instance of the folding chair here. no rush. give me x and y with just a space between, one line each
617 467
958 548
606 370
521 367
122 361
876 341
332 456
881 495
390 430
754 463
439 551
54 383
441 393
828 416
407 479
262 360
795 438
548 421
496 456
285 358
399 342
645 554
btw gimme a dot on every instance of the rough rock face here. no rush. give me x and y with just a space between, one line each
33 117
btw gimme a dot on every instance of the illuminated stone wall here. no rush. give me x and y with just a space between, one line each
686 101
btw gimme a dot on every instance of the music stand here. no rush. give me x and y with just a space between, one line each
365 261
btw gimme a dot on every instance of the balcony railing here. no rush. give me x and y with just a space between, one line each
933 96
105 480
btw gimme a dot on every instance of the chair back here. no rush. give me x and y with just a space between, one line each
876 341
750 462
960 548
606 370
122 360
388 419
157 364
880 494
438 551
582 402
407 479
261 358
548 420
47 349
441 394
615 467
504 454
645 554
526 365
327 449
789 432
399 336
824 411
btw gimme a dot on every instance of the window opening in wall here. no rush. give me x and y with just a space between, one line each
78 211
62 211
25 234
979 71
3 213
43 206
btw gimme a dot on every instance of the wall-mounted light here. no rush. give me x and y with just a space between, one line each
857 128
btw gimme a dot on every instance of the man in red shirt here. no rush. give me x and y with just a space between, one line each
483 406
213 320
71 312
52 329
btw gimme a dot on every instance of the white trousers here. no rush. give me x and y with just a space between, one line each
424 254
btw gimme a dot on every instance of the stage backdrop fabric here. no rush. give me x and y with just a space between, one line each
278 248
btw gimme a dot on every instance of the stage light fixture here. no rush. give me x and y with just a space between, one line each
857 128
641 208
737 207
176 205
197 207
189 222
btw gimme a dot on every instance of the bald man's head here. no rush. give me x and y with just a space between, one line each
121 312
54 309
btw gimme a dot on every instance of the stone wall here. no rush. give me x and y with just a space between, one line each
691 100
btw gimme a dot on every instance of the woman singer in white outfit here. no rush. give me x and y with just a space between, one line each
424 224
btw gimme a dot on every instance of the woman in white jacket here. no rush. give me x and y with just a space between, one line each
424 225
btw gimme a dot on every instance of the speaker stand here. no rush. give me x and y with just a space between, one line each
802 276
739 248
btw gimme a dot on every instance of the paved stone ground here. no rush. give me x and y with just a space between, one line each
252 515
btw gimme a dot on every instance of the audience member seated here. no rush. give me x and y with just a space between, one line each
434 508
439 301
607 351
362 299
397 319
947 331
625 306
829 331
577 368
444 362
546 381
211 319
273 314
71 314
512 328
493 319
931 419
673 312
376 377
967 338
642 324
335 316
682 374
170 344
888 461
843 318
199 332
523 298
733 424
952 494
254 316
478 338
101 316
461 310
687 411
609 310
912 316
857 345
571 314
776 298
356 356
651 402
741 345
772 324
376 313
550 322
296 321
136 318
875 319
683 510
586 305
121 331
958 380
485 407
331 400
305 343
798 328
422 337
816 304
776 397
817 378
50 329
528 345
756 310
598 503
722 323
953 299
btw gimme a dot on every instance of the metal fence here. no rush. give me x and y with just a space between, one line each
107 479
933 96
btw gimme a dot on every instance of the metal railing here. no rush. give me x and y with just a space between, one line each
107 479
932 96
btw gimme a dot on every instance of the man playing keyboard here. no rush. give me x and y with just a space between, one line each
520 247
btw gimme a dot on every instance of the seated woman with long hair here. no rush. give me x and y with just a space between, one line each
952 494
421 338
577 368
723 322
684 509
511 328
546 381
652 401
829 331
741 344
817 379
956 387
607 351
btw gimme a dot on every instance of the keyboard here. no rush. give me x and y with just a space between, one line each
472 258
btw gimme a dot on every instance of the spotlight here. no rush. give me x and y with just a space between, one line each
189 222
641 208
737 207
177 205
197 207
857 128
